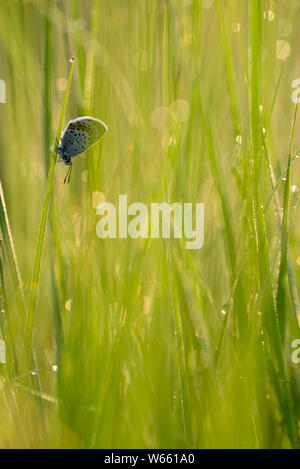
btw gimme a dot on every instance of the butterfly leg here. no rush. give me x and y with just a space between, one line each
69 172
59 159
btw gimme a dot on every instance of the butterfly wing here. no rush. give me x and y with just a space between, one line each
80 135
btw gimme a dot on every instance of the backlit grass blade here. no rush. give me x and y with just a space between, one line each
270 318
9 245
42 230
281 291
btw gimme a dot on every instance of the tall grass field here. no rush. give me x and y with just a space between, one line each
136 341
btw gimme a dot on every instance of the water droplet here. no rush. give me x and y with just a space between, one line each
172 141
160 118
61 84
269 15
283 49
180 110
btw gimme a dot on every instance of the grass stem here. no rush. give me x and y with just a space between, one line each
42 231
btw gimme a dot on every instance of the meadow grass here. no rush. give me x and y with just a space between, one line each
123 343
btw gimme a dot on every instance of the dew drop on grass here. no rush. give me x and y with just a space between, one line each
61 84
269 15
54 368
72 59
160 118
283 49
172 141
180 110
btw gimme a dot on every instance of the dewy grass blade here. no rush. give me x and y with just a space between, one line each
229 68
281 307
42 230
271 324
9 245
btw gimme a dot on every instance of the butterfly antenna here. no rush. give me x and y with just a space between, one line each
68 175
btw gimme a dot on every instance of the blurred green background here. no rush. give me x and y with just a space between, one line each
142 343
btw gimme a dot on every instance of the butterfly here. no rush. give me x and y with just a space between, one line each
80 135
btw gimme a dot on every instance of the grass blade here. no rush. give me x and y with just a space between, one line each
42 230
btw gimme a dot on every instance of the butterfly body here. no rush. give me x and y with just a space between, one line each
80 135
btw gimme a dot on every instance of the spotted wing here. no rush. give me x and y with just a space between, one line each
80 135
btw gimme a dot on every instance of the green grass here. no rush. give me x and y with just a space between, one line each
123 343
